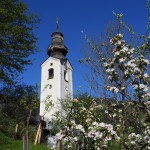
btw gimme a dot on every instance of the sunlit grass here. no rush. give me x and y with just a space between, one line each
7 143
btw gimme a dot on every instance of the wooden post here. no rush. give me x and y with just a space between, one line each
24 142
39 137
58 145
37 134
27 142
16 130
61 144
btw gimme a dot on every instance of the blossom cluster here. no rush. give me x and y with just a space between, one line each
127 67
136 141
86 126
99 133
89 127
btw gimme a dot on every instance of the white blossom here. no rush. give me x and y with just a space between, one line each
110 77
125 49
114 89
135 86
144 87
122 88
106 111
88 120
111 41
105 64
118 42
148 94
126 72
102 124
98 134
108 138
145 75
122 60
136 69
80 127
110 70
138 135
109 127
95 123
114 115
120 110
72 121
131 64
131 50
113 105
117 53
120 35
146 61
132 142
130 136
113 132
59 136
75 138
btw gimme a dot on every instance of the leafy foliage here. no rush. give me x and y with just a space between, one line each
17 40
16 101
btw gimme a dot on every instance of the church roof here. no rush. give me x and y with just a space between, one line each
57 48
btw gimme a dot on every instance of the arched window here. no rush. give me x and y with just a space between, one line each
51 73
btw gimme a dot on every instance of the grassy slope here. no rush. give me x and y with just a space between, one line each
7 143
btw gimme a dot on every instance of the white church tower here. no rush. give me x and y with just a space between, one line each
56 77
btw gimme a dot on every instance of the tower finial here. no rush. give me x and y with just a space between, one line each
57 28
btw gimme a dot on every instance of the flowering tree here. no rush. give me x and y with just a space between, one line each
121 124
84 128
126 122
127 71
105 50
92 124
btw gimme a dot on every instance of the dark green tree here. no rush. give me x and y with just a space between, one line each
17 39
17 101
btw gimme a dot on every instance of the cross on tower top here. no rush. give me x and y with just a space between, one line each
57 27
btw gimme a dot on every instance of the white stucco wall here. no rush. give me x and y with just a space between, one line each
59 85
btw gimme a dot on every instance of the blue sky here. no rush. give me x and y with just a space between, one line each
75 15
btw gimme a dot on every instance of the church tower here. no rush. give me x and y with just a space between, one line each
56 77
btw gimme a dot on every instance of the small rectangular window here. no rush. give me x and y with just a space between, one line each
51 73
66 76
50 86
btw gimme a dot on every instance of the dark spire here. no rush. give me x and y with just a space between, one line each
57 48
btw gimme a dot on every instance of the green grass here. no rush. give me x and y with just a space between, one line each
7 143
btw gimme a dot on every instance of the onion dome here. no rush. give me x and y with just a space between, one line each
57 49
